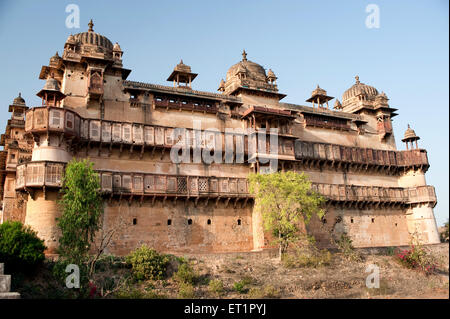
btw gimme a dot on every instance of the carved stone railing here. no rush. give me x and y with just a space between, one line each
67 122
311 151
50 174
63 121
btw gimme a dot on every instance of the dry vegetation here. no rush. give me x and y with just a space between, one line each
252 275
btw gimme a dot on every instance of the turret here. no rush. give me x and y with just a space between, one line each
410 138
51 94
182 74
320 97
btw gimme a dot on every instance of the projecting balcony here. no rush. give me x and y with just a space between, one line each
50 174
363 157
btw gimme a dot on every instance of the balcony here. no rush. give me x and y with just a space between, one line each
367 157
50 174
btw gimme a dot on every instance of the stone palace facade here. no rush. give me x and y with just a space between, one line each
375 193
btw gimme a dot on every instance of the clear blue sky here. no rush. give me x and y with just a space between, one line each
304 42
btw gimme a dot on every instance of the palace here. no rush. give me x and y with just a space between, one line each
375 193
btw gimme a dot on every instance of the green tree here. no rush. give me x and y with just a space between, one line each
82 209
286 201
20 247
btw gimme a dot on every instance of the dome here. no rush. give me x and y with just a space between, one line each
252 70
359 88
19 100
92 38
410 135
51 84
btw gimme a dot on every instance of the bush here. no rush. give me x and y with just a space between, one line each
147 263
20 247
345 246
239 286
186 274
417 258
216 287
186 291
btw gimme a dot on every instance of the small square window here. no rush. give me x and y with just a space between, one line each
373 220
209 222
239 222
169 222
134 221
189 221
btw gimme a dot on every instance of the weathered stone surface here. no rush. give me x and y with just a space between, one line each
377 193
5 283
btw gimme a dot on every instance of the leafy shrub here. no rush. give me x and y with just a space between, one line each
239 286
20 247
186 290
345 246
186 274
216 287
416 257
267 291
147 263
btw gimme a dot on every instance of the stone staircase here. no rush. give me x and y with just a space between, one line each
5 285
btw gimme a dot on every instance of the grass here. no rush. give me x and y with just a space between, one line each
216 288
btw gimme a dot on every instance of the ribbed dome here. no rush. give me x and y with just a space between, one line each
359 88
19 100
252 70
92 38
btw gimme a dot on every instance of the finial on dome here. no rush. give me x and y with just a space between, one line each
408 123
181 61
244 55
91 25
357 79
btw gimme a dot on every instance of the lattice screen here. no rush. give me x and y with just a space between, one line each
182 185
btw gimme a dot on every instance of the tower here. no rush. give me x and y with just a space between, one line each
419 214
